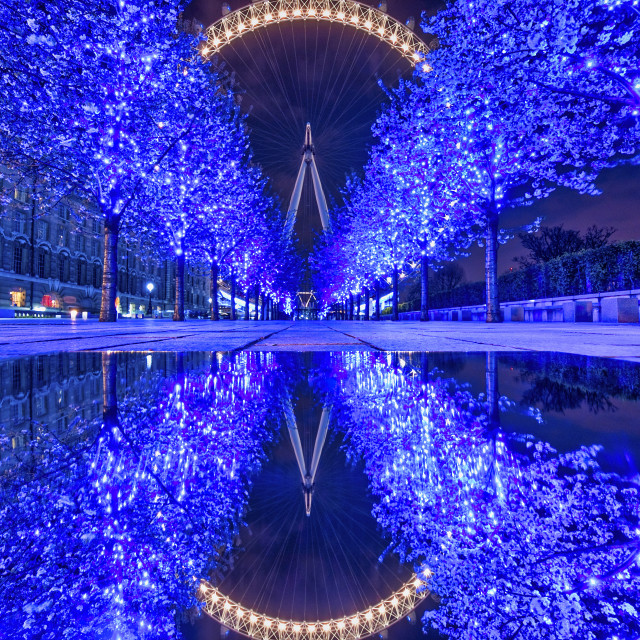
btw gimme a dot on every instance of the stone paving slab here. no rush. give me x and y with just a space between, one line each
33 337
30 337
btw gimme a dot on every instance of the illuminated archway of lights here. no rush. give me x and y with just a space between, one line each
353 627
262 14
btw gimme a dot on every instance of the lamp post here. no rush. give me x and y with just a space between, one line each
149 289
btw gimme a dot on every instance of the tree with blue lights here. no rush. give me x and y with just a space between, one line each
119 88
370 243
348 258
432 224
580 58
525 96
207 203
332 261
485 141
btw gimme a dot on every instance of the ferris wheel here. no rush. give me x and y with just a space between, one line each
319 63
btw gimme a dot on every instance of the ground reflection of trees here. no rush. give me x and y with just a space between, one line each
107 526
560 382
107 532
553 395
522 542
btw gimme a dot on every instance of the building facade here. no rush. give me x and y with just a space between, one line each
51 263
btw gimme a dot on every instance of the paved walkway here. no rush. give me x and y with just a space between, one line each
30 337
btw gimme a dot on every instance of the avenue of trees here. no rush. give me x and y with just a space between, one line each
111 104
518 98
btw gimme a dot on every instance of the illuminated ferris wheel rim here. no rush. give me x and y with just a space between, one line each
353 627
362 17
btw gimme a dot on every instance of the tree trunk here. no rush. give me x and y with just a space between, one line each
215 307
178 307
233 295
424 289
32 270
366 304
246 303
491 268
351 306
395 316
109 390
108 311
424 367
358 306
263 310
493 395
377 287
214 368
257 295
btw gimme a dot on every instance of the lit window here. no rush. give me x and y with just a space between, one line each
21 195
51 301
18 298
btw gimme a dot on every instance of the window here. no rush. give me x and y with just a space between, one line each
40 368
43 230
17 258
18 298
51 301
63 267
82 272
19 223
60 236
16 376
64 212
97 276
21 195
96 226
41 264
41 405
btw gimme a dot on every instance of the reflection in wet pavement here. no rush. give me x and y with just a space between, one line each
309 487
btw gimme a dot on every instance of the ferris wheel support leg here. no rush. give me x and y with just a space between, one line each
295 440
320 199
295 199
320 439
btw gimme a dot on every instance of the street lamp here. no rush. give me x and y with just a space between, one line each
149 289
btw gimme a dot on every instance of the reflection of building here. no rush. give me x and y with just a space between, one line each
61 395
51 261
54 391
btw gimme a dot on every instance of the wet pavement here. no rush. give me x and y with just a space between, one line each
32 337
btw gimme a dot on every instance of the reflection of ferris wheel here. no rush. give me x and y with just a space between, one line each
353 627
317 61
263 554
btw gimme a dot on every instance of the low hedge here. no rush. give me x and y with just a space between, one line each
615 267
